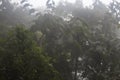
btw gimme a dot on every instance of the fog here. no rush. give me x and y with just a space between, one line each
59 40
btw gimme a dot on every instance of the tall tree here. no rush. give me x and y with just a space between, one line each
22 59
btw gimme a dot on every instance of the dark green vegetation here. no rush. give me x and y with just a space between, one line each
65 42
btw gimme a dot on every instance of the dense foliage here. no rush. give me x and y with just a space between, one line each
65 42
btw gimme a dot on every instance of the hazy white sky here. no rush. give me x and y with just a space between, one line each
37 3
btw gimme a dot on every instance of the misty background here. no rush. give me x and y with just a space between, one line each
59 40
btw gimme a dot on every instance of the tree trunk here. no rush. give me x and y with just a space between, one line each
76 68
